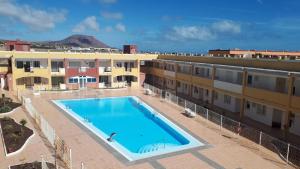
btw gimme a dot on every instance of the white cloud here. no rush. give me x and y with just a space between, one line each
112 15
204 33
227 26
190 32
108 1
36 19
89 23
120 27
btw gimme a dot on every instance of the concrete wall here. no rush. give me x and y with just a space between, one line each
295 128
234 105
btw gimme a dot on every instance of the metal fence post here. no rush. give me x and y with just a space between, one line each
195 108
288 153
70 154
185 104
260 135
206 114
42 162
177 99
221 122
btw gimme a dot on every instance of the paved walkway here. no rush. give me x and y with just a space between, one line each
225 150
33 150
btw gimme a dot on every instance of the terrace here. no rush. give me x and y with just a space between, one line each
227 150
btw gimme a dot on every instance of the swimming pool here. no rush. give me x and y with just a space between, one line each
140 131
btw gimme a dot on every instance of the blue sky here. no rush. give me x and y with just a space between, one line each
158 25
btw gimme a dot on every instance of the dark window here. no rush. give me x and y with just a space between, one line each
119 78
20 65
249 79
73 80
37 80
248 105
36 64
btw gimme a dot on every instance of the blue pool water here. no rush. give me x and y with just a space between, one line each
139 129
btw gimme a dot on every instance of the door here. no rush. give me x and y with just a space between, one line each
276 120
280 84
82 82
27 66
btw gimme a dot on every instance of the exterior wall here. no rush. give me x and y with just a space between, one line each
201 94
17 46
295 126
267 117
233 106
255 54
276 86
45 71
183 88
297 87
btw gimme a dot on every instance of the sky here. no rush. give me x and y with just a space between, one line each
158 25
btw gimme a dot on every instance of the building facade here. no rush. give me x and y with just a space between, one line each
265 91
17 46
59 70
257 54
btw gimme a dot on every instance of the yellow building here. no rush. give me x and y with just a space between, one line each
267 91
63 70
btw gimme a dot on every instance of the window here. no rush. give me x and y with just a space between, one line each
20 65
195 90
261 110
119 64
36 63
207 72
119 78
91 80
248 105
91 64
74 64
227 99
216 95
73 80
197 71
207 92
37 80
249 79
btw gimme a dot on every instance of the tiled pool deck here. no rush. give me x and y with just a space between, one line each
223 150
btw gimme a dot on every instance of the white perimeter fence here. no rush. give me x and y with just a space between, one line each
289 153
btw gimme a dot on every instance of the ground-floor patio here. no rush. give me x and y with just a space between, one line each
223 150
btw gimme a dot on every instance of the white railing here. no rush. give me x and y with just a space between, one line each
60 147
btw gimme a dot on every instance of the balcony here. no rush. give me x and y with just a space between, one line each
157 72
169 73
105 70
118 71
295 102
132 71
184 77
270 96
236 88
59 72
33 72
202 81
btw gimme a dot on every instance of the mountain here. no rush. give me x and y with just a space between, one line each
83 41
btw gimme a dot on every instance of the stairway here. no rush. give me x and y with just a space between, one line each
154 147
